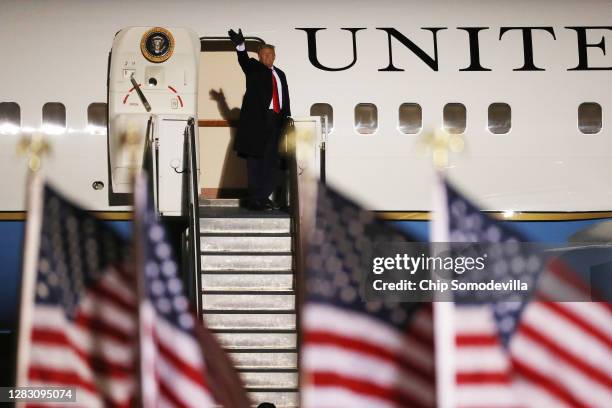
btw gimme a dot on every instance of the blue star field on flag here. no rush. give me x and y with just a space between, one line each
75 250
163 283
344 232
359 349
507 259
84 315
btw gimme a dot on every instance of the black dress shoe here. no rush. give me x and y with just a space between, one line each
256 205
271 204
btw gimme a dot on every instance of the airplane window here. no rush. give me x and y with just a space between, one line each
324 109
410 118
589 118
54 117
500 118
366 118
454 118
96 117
10 117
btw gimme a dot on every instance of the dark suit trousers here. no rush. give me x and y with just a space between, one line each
262 171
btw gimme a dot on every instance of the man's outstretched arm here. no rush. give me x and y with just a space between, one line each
243 58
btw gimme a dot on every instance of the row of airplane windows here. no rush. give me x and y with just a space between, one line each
410 119
53 114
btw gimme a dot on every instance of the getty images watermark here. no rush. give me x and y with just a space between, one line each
480 272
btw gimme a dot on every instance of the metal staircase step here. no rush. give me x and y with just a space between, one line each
286 361
251 301
232 211
247 281
248 300
246 262
250 321
245 225
219 202
245 243
270 380
257 341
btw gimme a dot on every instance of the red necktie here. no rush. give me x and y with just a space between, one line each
275 104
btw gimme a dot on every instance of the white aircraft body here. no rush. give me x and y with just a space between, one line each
526 83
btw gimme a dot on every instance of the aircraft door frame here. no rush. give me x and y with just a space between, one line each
221 172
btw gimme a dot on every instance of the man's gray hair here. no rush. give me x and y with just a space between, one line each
264 46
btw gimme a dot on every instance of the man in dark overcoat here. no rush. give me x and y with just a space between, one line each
263 115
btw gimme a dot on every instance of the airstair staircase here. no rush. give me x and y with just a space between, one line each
248 295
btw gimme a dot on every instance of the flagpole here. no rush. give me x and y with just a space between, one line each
147 385
147 391
440 144
35 147
444 322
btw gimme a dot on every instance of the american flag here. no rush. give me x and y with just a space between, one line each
176 370
114 322
536 353
357 353
84 318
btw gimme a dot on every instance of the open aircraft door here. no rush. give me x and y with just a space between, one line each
153 88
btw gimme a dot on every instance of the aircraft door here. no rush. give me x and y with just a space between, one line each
222 85
153 74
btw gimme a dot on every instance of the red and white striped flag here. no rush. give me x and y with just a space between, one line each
561 352
121 334
78 320
538 353
356 353
177 370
